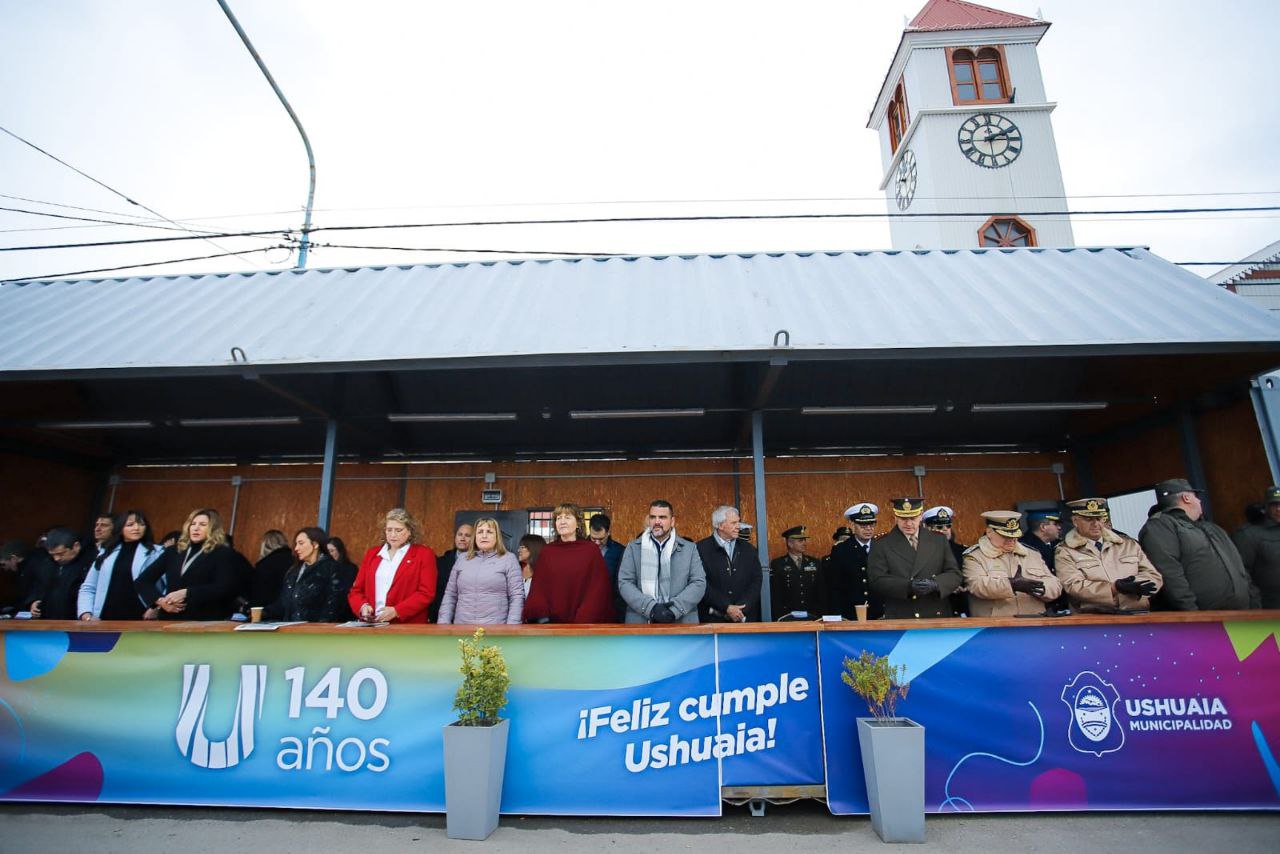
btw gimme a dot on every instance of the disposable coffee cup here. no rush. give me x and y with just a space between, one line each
255 615
862 612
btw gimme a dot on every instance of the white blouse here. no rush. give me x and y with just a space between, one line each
386 574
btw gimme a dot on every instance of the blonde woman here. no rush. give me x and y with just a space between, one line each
199 573
397 580
486 585
571 584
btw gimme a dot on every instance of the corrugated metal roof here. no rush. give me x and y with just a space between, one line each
1230 275
629 309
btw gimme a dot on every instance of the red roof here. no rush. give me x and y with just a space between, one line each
959 15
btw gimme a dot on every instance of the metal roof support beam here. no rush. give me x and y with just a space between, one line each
1191 456
762 512
327 473
1082 460
1265 393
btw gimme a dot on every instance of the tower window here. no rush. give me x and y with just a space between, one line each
1002 232
979 77
899 117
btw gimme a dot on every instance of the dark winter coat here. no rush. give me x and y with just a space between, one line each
309 594
729 583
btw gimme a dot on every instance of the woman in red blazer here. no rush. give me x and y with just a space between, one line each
397 580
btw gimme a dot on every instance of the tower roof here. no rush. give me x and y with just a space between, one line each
959 15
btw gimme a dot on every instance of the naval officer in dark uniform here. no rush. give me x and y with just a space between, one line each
844 580
912 569
941 520
794 584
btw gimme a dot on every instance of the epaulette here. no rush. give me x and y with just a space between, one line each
971 549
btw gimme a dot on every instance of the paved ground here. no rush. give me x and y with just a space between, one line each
807 826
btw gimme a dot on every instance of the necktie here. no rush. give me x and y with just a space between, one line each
1098 543
914 542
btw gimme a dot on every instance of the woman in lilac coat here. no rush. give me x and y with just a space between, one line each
485 585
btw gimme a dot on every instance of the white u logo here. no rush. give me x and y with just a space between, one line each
195 699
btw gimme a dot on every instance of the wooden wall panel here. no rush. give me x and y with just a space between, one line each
1235 461
1231 451
359 505
36 495
816 492
1139 462
167 495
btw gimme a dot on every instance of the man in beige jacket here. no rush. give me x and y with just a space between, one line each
1100 568
1003 576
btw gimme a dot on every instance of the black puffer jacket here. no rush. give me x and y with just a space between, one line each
313 598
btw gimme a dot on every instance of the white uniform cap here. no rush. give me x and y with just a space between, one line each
864 511
934 511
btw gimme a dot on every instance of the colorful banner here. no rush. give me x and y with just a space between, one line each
1115 716
1125 717
601 724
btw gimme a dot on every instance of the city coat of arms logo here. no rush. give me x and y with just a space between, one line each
1092 726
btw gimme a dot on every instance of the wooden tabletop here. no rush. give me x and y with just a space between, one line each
678 629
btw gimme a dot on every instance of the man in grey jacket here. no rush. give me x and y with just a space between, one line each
1202 569
661 576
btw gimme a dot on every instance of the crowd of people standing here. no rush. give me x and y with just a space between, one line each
1019 566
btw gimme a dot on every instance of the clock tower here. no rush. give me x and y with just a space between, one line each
964 129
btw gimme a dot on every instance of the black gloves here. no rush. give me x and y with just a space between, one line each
923 586
1134 587
662 613
1026 585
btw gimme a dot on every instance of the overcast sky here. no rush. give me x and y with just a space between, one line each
439 112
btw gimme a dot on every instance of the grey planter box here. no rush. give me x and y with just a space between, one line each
474 760
893 762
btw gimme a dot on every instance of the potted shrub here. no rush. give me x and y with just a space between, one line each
475 745
892 748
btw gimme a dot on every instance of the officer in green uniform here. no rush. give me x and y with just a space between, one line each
913 569
1259 547
794 578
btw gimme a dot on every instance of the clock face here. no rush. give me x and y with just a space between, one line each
904 189
990 140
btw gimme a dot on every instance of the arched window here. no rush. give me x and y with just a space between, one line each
899 117
1006 232
979 77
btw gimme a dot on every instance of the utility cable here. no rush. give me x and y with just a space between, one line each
151 224
655 219
107 187
138 266
477 251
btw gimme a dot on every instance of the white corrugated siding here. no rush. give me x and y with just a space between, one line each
842 301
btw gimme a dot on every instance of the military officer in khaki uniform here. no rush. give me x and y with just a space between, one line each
794 579
912 570
1003 576
1100 568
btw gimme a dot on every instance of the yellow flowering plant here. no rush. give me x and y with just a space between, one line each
483 692
878 682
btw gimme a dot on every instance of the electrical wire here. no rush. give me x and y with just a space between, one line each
151 224
939 215
107 187
69 207
620 202
477 251
138 266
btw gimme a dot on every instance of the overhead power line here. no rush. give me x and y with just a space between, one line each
139 266
655 219
107 187
477 251
151 224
